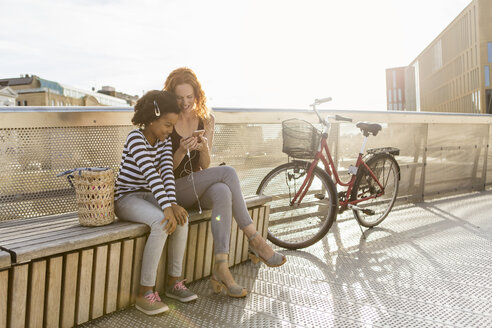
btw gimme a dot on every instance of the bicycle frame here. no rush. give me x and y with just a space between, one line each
328 163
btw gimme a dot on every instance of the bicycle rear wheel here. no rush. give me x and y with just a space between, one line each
292 226
387 171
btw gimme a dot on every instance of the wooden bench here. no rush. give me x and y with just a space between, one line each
56 273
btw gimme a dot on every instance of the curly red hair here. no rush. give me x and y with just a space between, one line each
184 75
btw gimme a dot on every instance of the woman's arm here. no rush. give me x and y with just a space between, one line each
205 146
180 153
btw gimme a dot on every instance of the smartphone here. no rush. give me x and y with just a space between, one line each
197 133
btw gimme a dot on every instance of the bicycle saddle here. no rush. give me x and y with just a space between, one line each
367 128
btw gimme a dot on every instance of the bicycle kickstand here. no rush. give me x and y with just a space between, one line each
355 207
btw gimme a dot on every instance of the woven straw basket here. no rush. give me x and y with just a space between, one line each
94 192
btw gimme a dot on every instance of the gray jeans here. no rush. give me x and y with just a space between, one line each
142 207
218 189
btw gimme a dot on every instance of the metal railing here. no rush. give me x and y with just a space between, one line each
440 153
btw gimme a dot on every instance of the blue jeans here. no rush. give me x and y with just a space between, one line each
142 207
218 189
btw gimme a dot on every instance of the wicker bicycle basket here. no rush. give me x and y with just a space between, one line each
300 139
94 193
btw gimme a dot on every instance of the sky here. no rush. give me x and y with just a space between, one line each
278 54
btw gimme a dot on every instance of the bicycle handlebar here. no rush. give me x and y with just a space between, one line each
335 117
321 101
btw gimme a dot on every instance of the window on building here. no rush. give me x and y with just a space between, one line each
52 102
25 102
394 79
489 51
18 103
487 76
389 95
399 94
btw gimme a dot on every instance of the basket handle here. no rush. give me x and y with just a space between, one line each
79 169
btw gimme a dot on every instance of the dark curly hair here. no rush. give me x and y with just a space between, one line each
145 110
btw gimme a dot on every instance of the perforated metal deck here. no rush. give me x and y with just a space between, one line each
427 265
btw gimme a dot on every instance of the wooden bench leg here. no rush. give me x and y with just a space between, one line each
84 285
53 292
99 281
4 289
137 266
200 250
112 277
17 313
124 289
191 253
69 290
36 299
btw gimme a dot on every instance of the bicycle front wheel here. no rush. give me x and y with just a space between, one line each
298 226
387 171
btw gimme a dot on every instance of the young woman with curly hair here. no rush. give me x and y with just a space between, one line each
215 188
145 192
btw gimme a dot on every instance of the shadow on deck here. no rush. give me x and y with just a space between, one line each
427 265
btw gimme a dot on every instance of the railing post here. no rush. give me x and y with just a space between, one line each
486 155
421 190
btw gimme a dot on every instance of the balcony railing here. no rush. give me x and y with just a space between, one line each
440 153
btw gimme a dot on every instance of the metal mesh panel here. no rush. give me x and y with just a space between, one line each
252 149
409 138
32 157
455 155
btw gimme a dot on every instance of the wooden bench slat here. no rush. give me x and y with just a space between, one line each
100 236
12 229
40 219
33 234
47 236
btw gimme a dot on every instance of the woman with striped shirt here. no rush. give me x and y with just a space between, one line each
145 192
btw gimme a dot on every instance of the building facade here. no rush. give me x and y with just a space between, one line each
395 88
35 91
453 73
8 96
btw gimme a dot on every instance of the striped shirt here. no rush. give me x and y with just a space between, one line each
147 168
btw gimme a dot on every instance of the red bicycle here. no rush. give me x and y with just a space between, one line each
305 201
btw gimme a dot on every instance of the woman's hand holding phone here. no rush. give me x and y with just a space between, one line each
188 143
193 142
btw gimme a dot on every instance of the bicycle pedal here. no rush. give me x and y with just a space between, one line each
319 196
367 211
